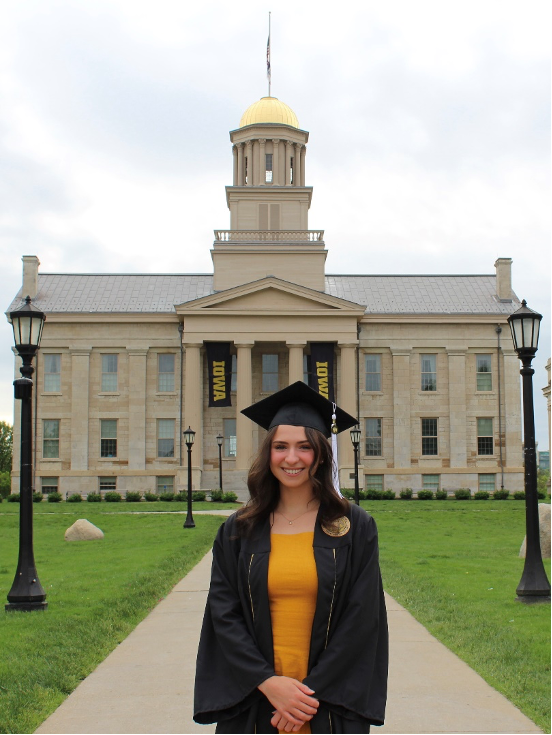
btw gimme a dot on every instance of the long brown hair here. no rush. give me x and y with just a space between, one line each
264 488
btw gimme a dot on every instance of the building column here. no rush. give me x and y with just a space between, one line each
297 165
244 398
249 169
235 166
262 162
193 414
240 181
137 409
512 421
287 172
80 380
275 161
303 156
295 361
346 398
401 407
457 408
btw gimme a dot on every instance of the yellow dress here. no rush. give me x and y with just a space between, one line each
292 590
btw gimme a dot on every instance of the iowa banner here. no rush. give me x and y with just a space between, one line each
219 365
321 374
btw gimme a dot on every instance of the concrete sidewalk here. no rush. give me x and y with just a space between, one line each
146 684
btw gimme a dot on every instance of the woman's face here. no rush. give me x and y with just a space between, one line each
291 456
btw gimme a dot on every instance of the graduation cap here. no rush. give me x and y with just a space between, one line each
299 405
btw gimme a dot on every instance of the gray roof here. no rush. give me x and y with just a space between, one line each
159 293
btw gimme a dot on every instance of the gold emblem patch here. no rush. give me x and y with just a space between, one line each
339 527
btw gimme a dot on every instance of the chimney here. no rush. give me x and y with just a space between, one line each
30 276
504 279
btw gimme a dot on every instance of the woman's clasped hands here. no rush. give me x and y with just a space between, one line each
292 700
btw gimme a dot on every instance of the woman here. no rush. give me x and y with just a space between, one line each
294 637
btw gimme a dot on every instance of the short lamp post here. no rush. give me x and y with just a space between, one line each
534 585
189 436
355 438
220 440
26 592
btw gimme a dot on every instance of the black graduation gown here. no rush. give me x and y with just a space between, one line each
348 657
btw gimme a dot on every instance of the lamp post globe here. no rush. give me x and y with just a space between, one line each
534 585
355 438
220 440
26 592
189 437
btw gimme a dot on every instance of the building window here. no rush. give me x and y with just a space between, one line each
246 169
234 379
50 439
291 171
107 484
429 436
430 482
374 482
165 373
484 375
372 368
373 437
165 437
487 482
49 485
108 437
229 433
268 168
485 440
165 484
429 372
270 373
52 373
109 373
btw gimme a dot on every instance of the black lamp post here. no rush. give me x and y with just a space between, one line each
220 439
189 436
355 438
26 592
534 585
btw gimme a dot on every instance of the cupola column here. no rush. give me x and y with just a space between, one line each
297 165
262 162
239 146
249 163
276 161
235 161
289 153
303 156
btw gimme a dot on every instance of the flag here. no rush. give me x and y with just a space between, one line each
268 75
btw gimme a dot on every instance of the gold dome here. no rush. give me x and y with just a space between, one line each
269 110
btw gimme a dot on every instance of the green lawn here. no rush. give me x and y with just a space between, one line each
454 565
97 593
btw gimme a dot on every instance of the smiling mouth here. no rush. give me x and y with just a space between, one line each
292 472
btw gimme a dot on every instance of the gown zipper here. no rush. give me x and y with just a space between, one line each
333 597
249 586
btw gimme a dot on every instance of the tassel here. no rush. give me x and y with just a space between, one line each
335 463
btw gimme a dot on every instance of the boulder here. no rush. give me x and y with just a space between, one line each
83 530
544 526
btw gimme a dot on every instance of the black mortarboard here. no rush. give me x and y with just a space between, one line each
299 405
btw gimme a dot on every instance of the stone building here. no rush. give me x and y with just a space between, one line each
122 368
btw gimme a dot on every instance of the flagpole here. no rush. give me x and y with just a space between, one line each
268 69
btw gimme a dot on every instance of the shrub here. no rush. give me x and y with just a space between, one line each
167 497
37 497
216 496
372 495
441 495
519 495
112 497
5 484
388 495
94 497
151 497
13 498
348 493
229 497
198 496
481 495
406 493
425 494
55 497
501 495
541 494
75 498
463 493
133 497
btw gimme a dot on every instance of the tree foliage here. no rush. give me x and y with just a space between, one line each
6 443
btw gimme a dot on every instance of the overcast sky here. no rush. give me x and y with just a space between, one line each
429 136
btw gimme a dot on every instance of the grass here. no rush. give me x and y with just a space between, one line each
82 509
455 566
97 593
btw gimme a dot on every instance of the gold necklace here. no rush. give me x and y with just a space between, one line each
296 517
